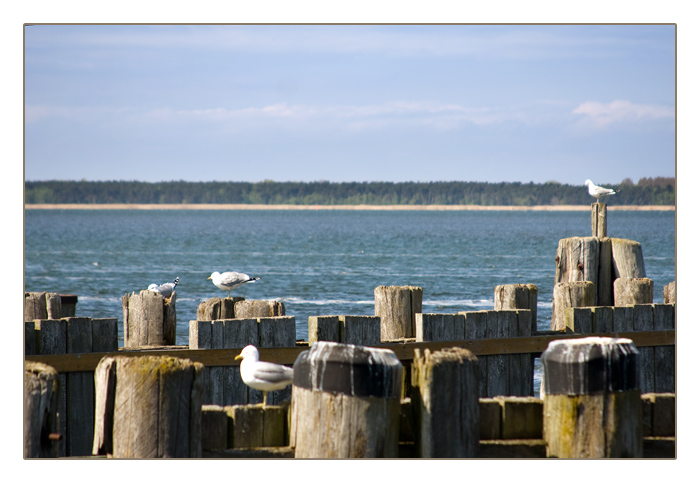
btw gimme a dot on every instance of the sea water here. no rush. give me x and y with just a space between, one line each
318 262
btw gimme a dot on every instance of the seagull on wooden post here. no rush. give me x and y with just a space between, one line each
598 191
166 290
263 376
230 280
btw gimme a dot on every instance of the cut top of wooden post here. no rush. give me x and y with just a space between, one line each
592 365
397 307
349 369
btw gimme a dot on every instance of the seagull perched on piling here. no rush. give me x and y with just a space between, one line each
230 280
598 191
263 376
166 290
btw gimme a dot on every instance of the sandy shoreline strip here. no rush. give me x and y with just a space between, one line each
338 207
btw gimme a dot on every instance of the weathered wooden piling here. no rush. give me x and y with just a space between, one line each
633 291
362 330
149 319
41 431
570 294
440 327
627 259
599 220
42 305
148 407
218 308
517 296
251 309
670 293
664 357
592 403
446 403
577 260
346 402
397 307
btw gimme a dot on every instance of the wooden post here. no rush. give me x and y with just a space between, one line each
599 220
643 319
664 357
360 330
670 293
440 327
579 320
570 294
633 291
42 305
253 309
80 390
149 319
218 308
276 332
324 327
627 258
397 307
257 426
446 403
214 428
476 324
592 404
41 433
51 340
517 296
156 403
346 402
577 260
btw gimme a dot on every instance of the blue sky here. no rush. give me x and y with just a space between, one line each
350 102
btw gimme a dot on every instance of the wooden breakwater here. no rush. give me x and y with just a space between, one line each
505 342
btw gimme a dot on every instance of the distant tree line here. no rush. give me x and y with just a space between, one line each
648 191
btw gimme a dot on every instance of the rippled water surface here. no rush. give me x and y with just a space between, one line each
317 262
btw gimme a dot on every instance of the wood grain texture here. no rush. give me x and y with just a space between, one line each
157 407
40 404
446 404
397 307
567 295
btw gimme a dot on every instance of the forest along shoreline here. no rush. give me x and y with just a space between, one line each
203 206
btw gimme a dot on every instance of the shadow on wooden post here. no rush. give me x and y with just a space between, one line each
445 402
592 402
346 402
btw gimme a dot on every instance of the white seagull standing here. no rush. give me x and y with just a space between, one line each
263 376
598 191
166 290
230 280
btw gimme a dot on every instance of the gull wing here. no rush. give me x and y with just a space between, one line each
272 373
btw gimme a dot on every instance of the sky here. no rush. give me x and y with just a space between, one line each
350 102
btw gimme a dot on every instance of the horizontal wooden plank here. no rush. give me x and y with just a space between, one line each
403 350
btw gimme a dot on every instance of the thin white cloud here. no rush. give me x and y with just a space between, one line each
600 114
483 41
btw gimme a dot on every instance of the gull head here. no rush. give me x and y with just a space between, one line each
249 352
588 182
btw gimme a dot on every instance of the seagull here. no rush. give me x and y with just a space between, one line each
166 290
598 191
230 280
263 376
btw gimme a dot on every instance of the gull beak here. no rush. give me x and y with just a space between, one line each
238 357
208 278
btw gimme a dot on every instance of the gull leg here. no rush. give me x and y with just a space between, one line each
264 398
